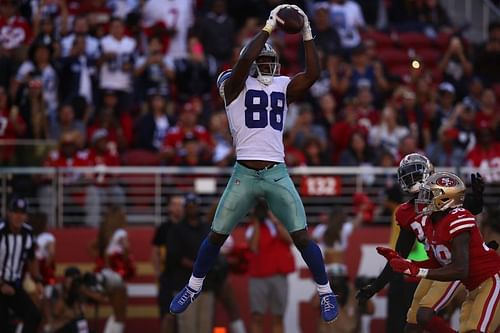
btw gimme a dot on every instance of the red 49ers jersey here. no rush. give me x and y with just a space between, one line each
405 215
407 219
483 261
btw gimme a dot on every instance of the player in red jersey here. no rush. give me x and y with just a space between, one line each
430 296
451 233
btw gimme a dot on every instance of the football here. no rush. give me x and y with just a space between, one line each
290 20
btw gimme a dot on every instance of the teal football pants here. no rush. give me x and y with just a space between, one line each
247 185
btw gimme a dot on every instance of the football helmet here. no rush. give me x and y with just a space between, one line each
413 170
266 65
441 191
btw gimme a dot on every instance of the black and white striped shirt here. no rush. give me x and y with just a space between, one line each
15 249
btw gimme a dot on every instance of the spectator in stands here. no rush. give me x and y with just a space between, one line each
66 122
489 112
154 69
388 133
407 145
455 65
73 181
99 16
327 115
78 71
12 127
293 155
44 29
327 39
224 153
184 241
39 72
463 122
216 31
175 213
486 155
368 115
272 261
117 61
446 100
155 11
15 31
304 127
358 152
101 154
409 113
81 29
315 153
152 127
173 145
195 73
486 64
474 93
115 120
363 73
347 18
433 17
444 153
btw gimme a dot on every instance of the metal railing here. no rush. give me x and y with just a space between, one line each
76 196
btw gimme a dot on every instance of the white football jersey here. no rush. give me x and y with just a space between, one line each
256 118
112 74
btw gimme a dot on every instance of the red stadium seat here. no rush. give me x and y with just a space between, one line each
414 40
442 41
402 71
381 39
392 56
429 56
140 157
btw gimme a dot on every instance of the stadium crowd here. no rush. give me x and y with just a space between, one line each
139 76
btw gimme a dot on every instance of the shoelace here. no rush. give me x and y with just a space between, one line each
187 296
327 304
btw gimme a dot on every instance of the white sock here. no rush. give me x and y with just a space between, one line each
237 326
118 327
324 288
108 328
196 283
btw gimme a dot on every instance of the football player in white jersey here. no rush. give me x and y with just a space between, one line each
256 98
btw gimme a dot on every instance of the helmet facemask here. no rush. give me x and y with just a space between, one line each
265 68
412 176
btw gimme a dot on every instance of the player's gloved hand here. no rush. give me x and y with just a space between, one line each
477 183
406 267
365 293
387 253
492 245
271 21
306 29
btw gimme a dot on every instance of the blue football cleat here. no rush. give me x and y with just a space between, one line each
329 307
182 300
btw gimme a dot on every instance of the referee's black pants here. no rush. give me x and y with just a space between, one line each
23 308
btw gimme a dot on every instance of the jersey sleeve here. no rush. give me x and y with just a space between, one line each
403 216
460 221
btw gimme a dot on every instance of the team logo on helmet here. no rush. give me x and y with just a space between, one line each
446 182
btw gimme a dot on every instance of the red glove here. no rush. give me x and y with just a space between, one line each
388 253
407 267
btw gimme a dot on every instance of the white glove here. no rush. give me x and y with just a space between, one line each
271 21
306 29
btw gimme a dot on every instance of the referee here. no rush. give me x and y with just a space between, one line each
16 250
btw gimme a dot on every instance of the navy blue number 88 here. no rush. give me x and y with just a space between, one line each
256 103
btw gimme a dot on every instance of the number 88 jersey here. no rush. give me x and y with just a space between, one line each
256 119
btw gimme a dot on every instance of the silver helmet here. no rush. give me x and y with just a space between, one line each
413 171
263 69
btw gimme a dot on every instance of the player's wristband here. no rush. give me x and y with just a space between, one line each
422 273
268 28
307 34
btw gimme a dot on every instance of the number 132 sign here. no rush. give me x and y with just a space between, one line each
320 185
